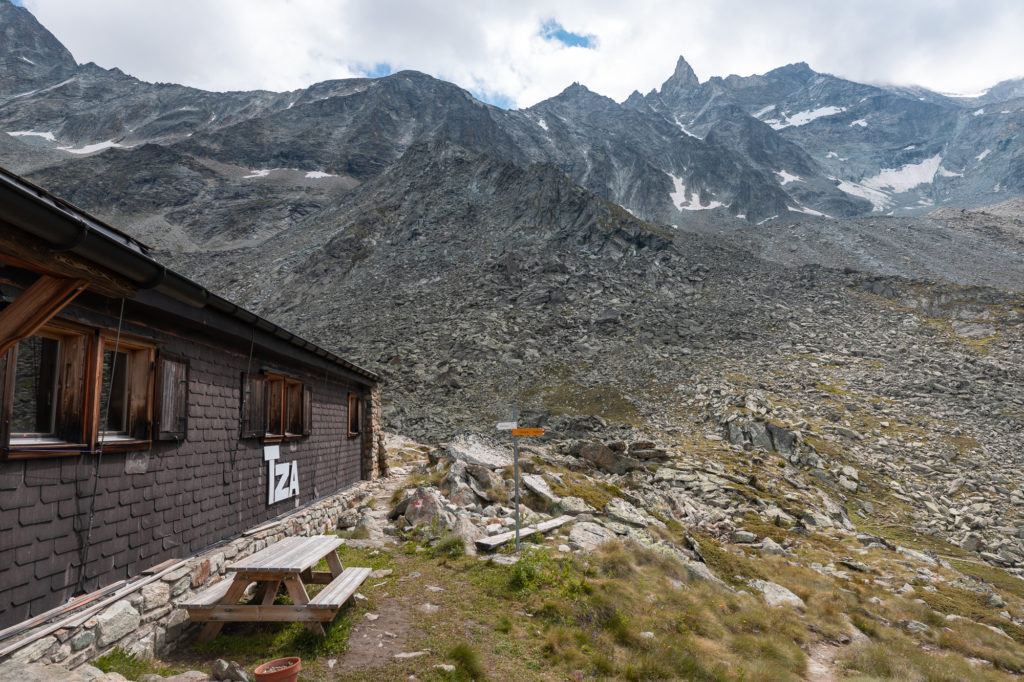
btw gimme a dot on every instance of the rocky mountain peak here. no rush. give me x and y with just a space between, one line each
32 55
683 76
799 71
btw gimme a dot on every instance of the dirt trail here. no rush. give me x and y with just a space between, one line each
374 641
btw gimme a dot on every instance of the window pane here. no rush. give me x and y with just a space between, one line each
35 386
114 392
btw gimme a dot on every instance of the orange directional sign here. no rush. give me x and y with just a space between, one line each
527 432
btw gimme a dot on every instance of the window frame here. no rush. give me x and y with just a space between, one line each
141 355
77 396
355 405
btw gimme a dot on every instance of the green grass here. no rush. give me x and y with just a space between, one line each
451 546
118 660
467 661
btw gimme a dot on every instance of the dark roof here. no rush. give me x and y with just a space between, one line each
66 227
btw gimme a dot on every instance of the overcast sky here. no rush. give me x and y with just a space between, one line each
515 53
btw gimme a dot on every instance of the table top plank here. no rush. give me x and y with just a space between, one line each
289 555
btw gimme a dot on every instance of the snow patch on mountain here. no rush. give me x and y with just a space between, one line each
542 123
91 148
684 129
31 133
262 173
786 177
948 173
762 112
809 211
979 157
803 117
860 122
313 175
979 112
681 202
906 177
879 200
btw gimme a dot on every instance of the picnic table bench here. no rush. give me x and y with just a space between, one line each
289 562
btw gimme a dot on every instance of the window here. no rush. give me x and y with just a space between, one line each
44 390
67 388
354 415
274 406
126 379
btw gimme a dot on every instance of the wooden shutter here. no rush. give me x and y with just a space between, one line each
307 411
7 364
70 422
172 398
253 412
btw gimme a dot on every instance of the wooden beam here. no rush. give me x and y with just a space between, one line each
35 307
278 613
26 251
496 541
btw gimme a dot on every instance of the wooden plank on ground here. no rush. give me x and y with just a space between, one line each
495 541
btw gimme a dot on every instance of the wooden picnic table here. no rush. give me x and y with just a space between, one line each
290 562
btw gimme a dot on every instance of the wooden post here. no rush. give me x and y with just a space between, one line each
515 464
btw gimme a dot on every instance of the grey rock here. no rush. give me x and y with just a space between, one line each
777 595
538 485
574 506
479 450
115 622
587 535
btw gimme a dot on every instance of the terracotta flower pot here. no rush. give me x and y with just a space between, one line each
279 670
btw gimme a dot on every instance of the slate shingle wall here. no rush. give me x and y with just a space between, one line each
193 494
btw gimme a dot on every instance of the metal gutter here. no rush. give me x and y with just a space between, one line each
69 229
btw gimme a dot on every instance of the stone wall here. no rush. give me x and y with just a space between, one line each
149 621
374 460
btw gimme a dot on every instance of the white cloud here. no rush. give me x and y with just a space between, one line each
497 48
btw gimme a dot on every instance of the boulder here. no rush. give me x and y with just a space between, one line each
574 505
776 595
606 459
468 531
624 512
783 439
538 485
423 508
587 536
477 449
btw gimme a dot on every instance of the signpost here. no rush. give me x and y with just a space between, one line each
517 432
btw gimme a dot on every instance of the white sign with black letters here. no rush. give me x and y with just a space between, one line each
282 477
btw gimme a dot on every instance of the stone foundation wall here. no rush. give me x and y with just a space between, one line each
149 622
